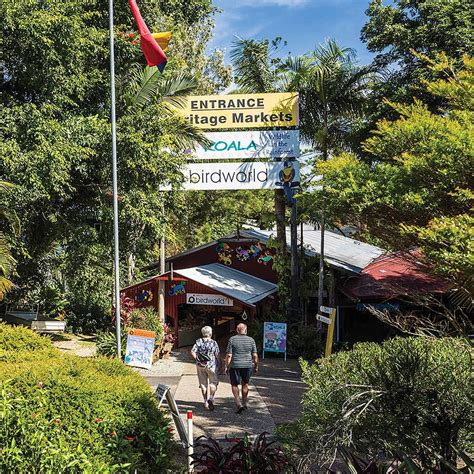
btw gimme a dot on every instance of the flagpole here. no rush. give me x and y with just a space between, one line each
114 181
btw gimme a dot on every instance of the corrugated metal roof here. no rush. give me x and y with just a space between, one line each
230 282
339 251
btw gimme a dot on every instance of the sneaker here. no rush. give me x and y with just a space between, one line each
245 407
240 410
211 404
206 405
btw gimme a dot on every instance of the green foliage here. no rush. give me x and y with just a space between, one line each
61 413
406 396
106 343
400 29
305 341
418 192
148 319
55 141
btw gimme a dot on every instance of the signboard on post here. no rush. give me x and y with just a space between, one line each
140 347
242 110
163 393
331 321
250 145
215 176
274 338
211 300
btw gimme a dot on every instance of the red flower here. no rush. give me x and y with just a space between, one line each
113 433
130 438
99 420
170 430
57 421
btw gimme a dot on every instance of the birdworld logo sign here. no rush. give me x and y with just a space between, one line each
249 145
242 110
249 175
206 299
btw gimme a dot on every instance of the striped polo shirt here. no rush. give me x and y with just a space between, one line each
241 347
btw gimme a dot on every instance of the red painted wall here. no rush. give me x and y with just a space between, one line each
235 255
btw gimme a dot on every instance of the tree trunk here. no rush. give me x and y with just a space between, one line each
280 219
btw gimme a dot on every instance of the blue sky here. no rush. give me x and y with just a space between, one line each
302 23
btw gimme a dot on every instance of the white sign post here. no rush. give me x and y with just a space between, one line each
249 145
211 300
257 175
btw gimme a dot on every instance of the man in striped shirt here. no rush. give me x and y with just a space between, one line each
241 359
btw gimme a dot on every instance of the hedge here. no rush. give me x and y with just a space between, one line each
409 396
62 413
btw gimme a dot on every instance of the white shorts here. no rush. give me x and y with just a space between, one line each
206 377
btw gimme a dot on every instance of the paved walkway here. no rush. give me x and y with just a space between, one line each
275 396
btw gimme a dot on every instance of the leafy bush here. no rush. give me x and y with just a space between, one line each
62 413
106 343
304 341
148 319
240 456
138 318
406 396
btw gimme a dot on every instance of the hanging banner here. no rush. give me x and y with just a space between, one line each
215 176
242 110
274 337
140 347
249 145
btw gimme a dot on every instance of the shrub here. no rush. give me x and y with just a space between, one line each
62 413
304 341
148 319
406 396
106 343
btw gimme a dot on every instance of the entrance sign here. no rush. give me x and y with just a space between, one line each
140 347
257 175
211 300
250 145
242 110
274 338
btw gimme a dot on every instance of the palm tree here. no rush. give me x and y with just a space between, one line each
333 91
6 260
256 70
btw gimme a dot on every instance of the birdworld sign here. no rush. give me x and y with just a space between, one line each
250 175
249 145
207 299
241 110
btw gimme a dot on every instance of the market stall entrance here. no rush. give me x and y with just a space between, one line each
212 294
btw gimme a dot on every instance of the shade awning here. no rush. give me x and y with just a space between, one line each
232 283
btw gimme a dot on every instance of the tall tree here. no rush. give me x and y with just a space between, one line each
56 138
256 70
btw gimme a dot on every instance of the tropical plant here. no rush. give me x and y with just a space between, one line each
241 455
333 92
106 343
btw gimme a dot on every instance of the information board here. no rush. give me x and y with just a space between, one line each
274 337
241 110
140 347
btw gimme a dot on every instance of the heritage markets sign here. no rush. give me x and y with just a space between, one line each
250 145
211 300
242 110
249 175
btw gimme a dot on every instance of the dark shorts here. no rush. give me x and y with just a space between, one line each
238 376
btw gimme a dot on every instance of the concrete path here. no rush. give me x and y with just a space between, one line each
275 395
